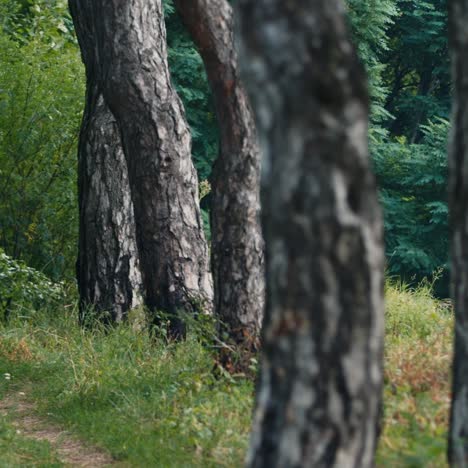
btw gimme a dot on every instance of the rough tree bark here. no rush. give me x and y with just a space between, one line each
458 165
237 244
135 80
320 383
108 273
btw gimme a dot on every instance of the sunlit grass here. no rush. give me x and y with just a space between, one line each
417 378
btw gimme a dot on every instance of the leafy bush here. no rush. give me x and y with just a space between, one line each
413 189
23 287
41 98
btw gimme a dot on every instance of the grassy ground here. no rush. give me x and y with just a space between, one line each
16 450
156 405
418 357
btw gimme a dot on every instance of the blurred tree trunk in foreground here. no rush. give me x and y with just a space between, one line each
458 164
109 278
133 75
319 392
237 245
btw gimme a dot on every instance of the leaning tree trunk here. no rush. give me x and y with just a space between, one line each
108 273
236 241
458 164
319 392
134 76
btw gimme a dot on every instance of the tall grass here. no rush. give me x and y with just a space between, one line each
418 353
156 404
145 401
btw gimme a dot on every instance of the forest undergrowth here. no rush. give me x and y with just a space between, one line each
145 401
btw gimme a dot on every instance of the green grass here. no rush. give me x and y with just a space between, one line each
418 353
150 404
16 450
142 400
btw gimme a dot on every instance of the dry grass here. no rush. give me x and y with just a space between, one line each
418 356
18 351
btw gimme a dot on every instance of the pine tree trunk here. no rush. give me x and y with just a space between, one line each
135 79
109 278
458 165
236 245
319 392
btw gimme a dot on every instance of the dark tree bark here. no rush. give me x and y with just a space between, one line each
458 165
319 392
135 80
128 44
236 245
109 278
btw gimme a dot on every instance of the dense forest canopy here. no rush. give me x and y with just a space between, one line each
403 44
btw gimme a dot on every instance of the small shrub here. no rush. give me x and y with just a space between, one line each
23 287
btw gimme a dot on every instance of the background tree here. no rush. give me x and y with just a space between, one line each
190 80
236 240
320 387
413 189
417 74
458 160
403 44
370 21
135 81
411 176
108 273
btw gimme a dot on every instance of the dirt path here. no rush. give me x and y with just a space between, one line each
71 451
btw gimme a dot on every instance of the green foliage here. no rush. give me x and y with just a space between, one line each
24 289
418 70
26 20
188 74
403 44
370 21
41 98
413 182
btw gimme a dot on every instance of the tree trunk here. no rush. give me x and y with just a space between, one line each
319 392
109 278
458 165
236 245
134 76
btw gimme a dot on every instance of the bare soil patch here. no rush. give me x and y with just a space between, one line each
71 450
